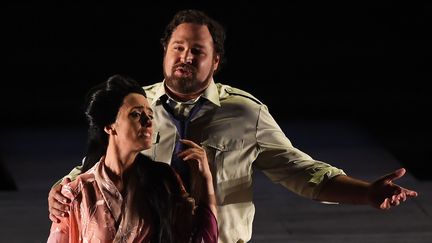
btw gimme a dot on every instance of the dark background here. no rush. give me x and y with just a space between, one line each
365 63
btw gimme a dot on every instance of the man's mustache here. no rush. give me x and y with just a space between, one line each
186 67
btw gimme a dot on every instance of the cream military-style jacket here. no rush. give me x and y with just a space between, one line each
239 135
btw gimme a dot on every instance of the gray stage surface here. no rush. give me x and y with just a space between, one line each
36 158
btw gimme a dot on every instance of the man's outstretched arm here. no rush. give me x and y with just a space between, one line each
381 194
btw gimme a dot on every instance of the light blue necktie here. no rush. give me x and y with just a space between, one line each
181 123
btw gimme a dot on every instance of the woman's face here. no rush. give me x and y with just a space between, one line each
133 125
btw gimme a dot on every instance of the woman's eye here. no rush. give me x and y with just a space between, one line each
136 114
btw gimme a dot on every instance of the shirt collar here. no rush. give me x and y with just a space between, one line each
189 102
109 191
211 93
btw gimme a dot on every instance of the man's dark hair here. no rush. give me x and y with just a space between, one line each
197 17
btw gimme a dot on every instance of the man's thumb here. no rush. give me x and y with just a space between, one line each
65 181
395 175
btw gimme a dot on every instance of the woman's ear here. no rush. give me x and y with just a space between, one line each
109 129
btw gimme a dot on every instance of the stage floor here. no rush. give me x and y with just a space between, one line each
36 158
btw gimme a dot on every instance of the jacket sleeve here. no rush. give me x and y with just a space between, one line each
72 174
284 164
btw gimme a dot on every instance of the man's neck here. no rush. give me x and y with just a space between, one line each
182 97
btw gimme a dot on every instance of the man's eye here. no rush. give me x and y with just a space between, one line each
178 48
197 51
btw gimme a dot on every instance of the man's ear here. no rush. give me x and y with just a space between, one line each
110 129
216 62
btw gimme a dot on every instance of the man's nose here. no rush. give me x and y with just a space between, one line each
187 57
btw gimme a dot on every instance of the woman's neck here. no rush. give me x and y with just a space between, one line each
117 165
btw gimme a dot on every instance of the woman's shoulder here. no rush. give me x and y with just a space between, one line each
74 188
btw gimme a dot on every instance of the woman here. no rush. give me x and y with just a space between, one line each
124 196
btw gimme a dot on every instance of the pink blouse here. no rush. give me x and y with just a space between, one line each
99 213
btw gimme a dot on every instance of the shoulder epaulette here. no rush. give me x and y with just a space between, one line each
233 91
150 90
149 87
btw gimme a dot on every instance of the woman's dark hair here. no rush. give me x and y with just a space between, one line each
159 189
103 102
198 17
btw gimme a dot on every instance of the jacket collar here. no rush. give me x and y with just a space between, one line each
211 93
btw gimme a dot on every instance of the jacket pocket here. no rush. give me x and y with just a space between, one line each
224 156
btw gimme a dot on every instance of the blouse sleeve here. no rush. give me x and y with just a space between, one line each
207 226
59 231
67 230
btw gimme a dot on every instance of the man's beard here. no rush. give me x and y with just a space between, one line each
182 85
187 85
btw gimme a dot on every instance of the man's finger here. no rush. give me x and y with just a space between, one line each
58 213
59 205
65 181
385 204
190 151
403 197
61 198
54 218
395 200
411 193
395 175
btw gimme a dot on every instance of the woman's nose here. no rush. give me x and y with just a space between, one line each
145 120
